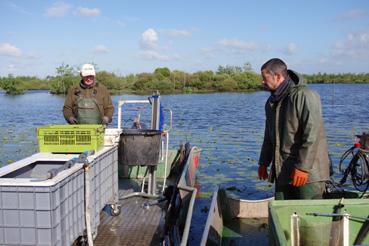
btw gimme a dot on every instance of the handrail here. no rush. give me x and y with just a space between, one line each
171 119
120 105
186 229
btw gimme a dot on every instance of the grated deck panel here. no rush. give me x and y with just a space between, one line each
135 225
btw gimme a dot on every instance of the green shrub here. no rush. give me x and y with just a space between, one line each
12 85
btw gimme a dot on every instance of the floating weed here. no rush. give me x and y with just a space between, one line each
206 194
263 187
233 188
218 178
230 162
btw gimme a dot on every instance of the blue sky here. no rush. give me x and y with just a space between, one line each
127 37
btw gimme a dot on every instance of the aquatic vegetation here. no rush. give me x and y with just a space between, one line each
264 186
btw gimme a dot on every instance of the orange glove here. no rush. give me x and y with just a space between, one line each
263 172
299 177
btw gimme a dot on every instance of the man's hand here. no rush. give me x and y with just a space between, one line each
299 177
105 120
72 120
263 172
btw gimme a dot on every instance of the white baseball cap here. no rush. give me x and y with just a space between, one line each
87 70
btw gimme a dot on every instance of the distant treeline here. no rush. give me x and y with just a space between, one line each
346 78
225 79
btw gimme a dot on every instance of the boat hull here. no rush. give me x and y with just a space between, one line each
236 221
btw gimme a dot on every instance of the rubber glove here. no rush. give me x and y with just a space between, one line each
72 120
105 120
263 172
299 177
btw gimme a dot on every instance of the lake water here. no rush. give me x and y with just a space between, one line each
228 127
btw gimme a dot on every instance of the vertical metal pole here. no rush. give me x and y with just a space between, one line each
155 111
120 105
346 232
295 232
155 121
153 180
149 186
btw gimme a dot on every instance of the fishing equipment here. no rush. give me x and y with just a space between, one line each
358 166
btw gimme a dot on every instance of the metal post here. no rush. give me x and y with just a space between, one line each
155 121
346 231
295 230
155 112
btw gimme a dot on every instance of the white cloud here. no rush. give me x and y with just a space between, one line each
58 9
176 33
90 12
19 9
356 46
31 56
149 39
236 44
290 49
121 23
151 50
154 55
100 49
7 49
352 14
11 68
209 52
232 46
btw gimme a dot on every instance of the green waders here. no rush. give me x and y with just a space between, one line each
88 111
308 191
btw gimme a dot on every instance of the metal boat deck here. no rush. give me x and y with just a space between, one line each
135 225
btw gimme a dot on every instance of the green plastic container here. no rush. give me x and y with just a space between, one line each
70 138
314 230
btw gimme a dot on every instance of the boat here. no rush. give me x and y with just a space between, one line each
234 221
319 222
341 219
131 189
147 219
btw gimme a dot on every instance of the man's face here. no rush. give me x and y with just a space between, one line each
88 80
270 81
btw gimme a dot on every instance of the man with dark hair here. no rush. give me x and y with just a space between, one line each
294 139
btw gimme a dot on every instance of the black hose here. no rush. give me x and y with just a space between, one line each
358 169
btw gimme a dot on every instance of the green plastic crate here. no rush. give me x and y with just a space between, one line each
70 138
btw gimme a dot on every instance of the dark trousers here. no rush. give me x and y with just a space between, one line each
309 191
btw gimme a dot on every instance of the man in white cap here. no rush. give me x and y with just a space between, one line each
89 102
